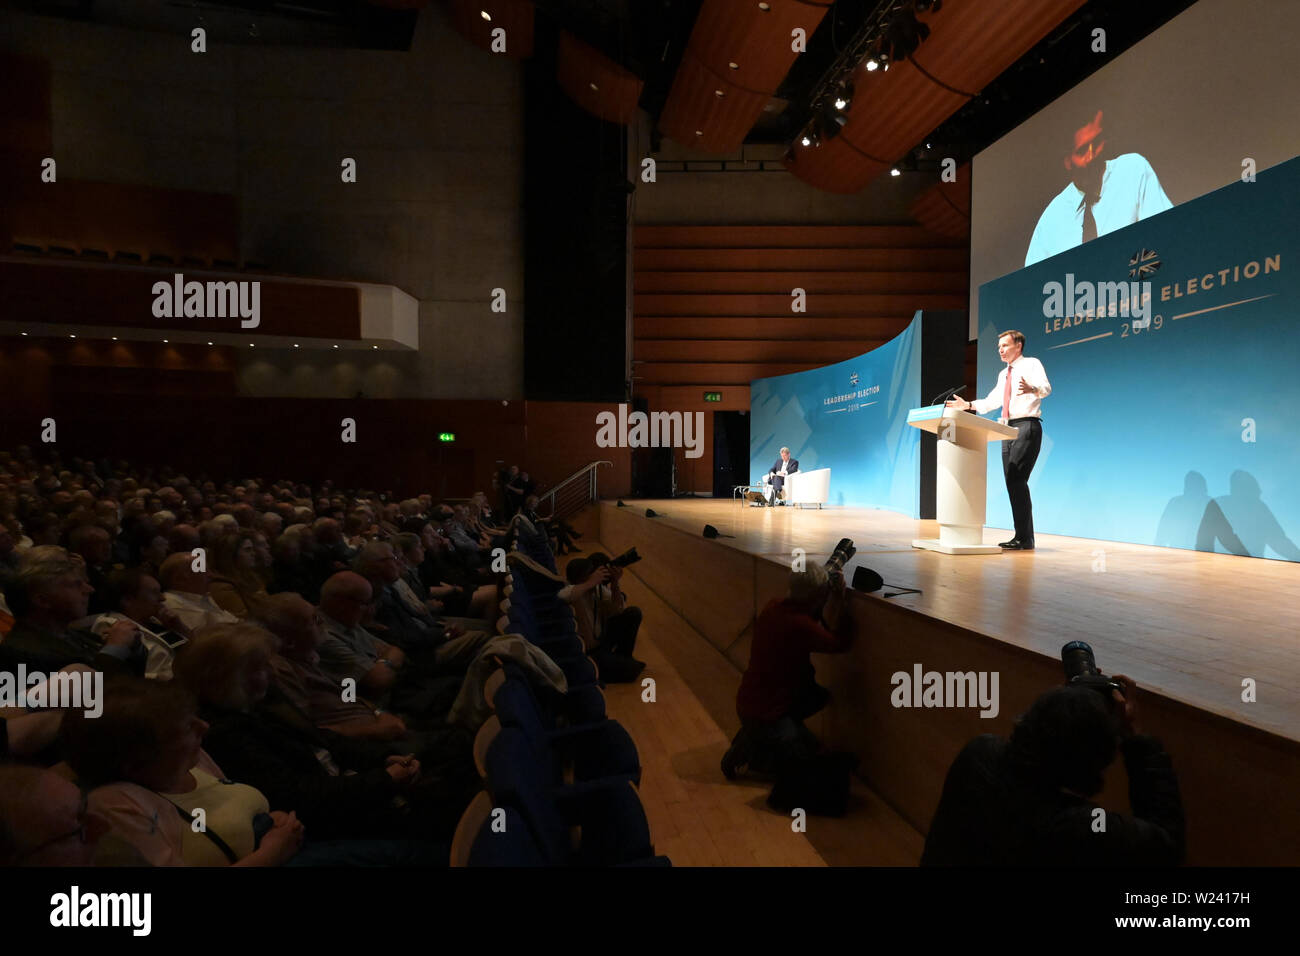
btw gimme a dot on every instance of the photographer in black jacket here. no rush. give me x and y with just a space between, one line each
1027 801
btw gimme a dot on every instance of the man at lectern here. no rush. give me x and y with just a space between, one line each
785 465
1019 394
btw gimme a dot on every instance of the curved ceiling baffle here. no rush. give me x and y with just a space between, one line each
970 44
944 208
516 17
736 58
595 82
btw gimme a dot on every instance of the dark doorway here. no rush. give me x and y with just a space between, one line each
730 452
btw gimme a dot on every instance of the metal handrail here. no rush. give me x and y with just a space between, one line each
575 492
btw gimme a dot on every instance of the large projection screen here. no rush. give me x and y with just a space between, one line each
1180 113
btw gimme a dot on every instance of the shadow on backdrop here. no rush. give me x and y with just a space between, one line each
1240 521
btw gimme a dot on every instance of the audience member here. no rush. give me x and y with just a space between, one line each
186 594
608 627
46 596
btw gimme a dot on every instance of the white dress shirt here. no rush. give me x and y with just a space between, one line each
197 610
158 666
1026 405
1130 190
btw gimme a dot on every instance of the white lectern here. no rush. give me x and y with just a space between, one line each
960 477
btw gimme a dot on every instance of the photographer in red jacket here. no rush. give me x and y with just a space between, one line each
779 690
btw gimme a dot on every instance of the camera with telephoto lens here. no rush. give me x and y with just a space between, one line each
842 555
1081 668
627 557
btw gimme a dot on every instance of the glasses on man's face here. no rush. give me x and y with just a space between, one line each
82 832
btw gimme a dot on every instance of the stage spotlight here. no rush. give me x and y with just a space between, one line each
895 172
804 140
22 333
872 65
485 15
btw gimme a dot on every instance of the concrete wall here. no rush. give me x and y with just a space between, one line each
437 133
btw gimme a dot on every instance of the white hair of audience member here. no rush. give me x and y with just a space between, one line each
164 515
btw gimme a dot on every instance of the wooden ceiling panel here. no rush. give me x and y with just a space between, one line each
595 82
835 165
513 16
742 52
696 116
944 208
971 43
759 43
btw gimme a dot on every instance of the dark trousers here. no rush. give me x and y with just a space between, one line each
777 482
1018 458
768 745
613 652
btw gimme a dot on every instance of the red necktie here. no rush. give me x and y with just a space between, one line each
1006 397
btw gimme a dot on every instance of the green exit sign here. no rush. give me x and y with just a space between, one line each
713 396
446 436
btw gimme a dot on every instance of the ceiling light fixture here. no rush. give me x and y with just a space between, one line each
734 66
895 172
485 15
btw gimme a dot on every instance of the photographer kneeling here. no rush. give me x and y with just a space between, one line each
607 625
779 690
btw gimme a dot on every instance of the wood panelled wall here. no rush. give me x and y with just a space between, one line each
714 305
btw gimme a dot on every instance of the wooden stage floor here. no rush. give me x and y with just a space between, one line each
1188 624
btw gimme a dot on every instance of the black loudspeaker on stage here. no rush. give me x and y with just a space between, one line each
864 579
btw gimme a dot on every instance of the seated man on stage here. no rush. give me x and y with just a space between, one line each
779 690
785 465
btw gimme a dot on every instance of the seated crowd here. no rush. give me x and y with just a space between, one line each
282 657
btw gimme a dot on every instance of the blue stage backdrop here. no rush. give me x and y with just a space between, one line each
850 417
1180 433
